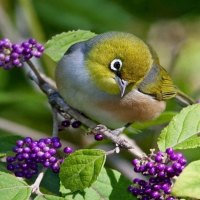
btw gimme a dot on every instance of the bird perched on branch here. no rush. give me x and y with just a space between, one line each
114 78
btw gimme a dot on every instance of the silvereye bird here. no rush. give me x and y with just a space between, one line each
114 78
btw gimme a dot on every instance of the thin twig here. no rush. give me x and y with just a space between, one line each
36 185
111 152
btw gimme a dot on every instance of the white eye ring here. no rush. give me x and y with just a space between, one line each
116 65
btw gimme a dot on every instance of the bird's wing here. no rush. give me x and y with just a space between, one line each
158 83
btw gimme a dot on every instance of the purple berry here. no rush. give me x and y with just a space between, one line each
33 156
130 188
152 171
46 148
149 164
33 166
137 169
10 167
182 161
24 166
36 149
173 157
10 159
142 183
57 145
55 167
19 143
161 174
67 150
176 166
169 151
47 141
41 145
19 174
158 158
52 159
136 180
135 162
135 191
47 164
40 154
20 157
155 194
142 168
156 187
55 139
52 151
148 190
65 123
98 137
26 150
165 187
33 144
160 167
25 155
76 124
47 155
28 140
170 171
41 140
32 41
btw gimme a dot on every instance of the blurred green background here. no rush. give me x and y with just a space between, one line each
171 27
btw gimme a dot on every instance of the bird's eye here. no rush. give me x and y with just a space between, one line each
116 65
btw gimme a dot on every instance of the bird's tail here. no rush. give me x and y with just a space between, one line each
184 99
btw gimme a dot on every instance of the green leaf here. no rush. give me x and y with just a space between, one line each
2 155
182 131
48 197
81 168
3 167
50 183
110 185
188 183
58 45
13 188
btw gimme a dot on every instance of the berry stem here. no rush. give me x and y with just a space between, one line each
36 185
111 152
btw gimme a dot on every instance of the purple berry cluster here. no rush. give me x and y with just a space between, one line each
16 54
160 168
29 154
67 123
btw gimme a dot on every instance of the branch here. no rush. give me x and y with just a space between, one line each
36 185
58 103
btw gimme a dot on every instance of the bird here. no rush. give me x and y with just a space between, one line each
115 79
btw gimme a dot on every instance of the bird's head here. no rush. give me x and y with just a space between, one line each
117 62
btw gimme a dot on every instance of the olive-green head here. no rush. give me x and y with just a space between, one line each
119 62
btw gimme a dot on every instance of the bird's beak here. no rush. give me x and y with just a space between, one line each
122 84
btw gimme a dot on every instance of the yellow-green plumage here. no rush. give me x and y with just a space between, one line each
114 78
136 57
